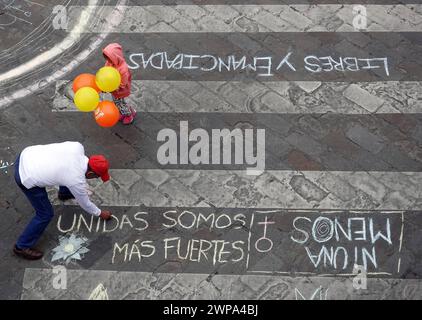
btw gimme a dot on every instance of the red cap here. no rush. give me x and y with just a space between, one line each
99 165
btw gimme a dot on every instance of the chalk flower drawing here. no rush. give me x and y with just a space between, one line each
71 247
4 165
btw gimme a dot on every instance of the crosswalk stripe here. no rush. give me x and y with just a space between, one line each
116 285
260 97
261 18
307 190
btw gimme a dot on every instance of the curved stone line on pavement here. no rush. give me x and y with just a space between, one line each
40 83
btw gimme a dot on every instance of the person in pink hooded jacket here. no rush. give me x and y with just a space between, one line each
113 53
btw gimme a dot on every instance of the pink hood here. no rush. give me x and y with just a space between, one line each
114 53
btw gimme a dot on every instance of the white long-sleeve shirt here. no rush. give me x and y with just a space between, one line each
58 164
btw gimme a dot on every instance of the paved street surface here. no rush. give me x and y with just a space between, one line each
319 198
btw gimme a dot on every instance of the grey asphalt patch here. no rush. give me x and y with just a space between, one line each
59 51
18 20
264 18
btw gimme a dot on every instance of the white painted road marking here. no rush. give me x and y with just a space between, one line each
342 190
114 19
37 284
251 18
258 97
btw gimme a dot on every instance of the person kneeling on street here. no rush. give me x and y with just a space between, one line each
58 164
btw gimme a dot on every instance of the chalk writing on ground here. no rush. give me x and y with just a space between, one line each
265 66
280 241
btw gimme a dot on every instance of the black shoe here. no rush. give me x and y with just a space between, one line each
65 196
28 253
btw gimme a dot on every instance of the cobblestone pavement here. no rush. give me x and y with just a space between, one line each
339 185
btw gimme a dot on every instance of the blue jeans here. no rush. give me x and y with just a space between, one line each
44 212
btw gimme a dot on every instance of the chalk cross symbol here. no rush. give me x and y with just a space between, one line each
264 237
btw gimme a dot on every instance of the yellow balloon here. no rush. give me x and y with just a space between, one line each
86 99
108 79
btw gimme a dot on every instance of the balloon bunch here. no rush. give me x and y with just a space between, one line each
87 88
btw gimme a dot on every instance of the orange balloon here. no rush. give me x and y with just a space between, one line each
85 80
107 114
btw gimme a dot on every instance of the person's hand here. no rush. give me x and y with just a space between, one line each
105 215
